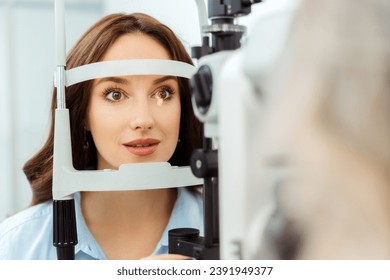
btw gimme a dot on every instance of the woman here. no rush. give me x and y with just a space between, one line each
114 121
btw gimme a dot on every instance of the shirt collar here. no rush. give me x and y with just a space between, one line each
86 242
185 214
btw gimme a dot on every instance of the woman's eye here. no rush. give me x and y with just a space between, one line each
164 94
114 96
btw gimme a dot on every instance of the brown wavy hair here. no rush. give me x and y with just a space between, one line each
90 48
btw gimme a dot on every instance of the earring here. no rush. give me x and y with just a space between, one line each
85 140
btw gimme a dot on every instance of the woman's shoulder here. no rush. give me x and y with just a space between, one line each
190 197
26 234
26 217
189 208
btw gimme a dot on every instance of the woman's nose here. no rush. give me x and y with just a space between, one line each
141 116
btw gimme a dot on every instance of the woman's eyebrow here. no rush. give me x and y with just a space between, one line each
117 80
124 81
163 79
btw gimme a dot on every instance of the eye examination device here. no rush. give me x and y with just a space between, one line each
226 95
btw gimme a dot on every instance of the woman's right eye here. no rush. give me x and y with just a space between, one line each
114 95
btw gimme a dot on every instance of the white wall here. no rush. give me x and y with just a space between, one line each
5 155
26 77
180 15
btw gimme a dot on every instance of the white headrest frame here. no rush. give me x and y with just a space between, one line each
114 68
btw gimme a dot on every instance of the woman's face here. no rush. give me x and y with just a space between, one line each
134 118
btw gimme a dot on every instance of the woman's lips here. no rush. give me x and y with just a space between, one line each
142 147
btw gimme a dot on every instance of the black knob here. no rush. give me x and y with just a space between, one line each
185 241
201 88
204 164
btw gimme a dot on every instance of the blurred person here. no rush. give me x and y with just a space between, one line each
329 124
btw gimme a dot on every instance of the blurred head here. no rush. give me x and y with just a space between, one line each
103 41
331 121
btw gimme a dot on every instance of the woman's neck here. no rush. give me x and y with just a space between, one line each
128 224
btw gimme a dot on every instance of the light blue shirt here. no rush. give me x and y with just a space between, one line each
29 234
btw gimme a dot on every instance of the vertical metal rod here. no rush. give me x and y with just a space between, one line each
64 215
60 32
13 109
60 52
211 205
60 85
202 15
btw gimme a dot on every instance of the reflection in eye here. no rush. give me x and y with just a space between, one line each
163 94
